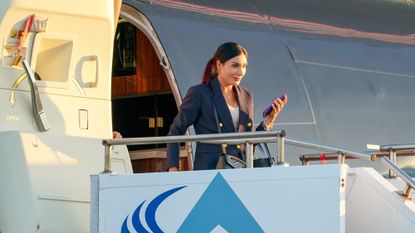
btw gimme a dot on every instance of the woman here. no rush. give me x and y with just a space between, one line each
220 88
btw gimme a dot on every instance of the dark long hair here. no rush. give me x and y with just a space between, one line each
224 52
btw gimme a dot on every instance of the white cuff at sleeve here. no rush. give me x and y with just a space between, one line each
266 127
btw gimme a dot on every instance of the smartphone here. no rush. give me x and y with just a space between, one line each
268 109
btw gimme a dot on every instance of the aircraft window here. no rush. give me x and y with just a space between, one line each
52 57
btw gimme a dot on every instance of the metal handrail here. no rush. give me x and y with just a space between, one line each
394 170
231 138
371 157
248 138
305 158
392 151
410 183
397 147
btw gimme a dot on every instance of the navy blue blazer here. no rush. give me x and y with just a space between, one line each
197 109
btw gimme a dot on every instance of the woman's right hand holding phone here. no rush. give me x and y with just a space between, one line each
272 111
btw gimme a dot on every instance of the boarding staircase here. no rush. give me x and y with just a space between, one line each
318 198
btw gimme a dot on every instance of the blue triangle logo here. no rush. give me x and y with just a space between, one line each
219 206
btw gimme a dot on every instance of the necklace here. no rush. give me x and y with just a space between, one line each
228 95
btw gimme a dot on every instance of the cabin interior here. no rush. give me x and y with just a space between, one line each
143 104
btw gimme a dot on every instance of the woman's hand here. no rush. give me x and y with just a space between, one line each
277 106
173 169
116 135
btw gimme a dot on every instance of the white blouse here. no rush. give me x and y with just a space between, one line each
235 116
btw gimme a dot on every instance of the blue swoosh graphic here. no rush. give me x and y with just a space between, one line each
152 208
124 228
136 220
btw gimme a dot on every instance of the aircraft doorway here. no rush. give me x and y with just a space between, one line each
143 104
